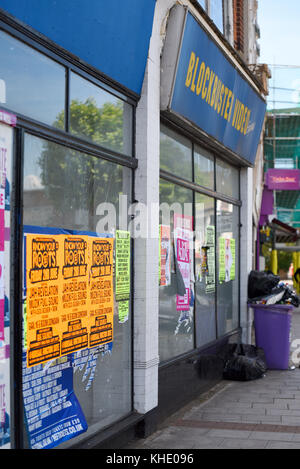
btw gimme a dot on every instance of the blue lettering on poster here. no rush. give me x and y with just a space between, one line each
52 411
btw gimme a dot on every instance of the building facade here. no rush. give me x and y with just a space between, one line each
127 152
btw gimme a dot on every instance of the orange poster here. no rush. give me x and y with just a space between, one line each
100 291
69 281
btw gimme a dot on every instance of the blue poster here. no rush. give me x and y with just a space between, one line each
52 411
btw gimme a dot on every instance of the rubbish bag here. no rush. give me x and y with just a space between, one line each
290 297
244 363
261 283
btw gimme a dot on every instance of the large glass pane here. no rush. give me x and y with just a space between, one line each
216 13
205 284
227 179
65 189
202 3
227 267
175 153
31 83
176 323
99 116
204 168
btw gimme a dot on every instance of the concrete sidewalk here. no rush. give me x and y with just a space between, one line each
260 414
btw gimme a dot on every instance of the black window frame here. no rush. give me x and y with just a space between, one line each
25 124
197 188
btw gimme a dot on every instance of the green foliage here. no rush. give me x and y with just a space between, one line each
74 180
284 260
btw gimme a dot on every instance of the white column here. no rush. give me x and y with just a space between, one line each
146 249
246 250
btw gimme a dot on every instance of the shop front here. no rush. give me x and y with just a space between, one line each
67 148
211 121
126 198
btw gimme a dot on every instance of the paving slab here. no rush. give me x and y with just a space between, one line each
263 413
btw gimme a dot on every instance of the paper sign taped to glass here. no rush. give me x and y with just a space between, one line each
165 255
69 304
226 259
183 230
122 265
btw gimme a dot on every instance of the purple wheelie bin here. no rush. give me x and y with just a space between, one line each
272 324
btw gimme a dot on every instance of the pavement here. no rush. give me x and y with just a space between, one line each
259 414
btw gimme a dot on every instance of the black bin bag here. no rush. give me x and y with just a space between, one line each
261 284
244 363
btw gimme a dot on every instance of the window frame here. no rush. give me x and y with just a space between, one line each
70 64
197 188
33 127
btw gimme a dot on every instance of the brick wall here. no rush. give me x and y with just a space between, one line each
238 25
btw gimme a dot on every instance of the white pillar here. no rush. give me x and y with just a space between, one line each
146 250
246 250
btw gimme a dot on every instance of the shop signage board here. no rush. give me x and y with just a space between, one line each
208 90
123 28
283 179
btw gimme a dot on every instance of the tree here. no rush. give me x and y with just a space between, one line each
74 181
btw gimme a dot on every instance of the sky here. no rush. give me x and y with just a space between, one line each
279 23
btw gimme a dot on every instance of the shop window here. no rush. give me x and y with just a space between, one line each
216 13
204 168
63 190
227 267
74 136
213 258
214 9
175 154
176 323
227 178
99 116
34 84
205 277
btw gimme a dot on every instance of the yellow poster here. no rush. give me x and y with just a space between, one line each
43 261
73 298
100 291
69 282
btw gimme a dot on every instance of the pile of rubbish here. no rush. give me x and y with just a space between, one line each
247 362
266 288
244 362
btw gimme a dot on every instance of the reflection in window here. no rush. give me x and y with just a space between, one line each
227 267
63 187
175 153
227 179
205 285
32 84
204 168
99 116
216 13
176 328
214 9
